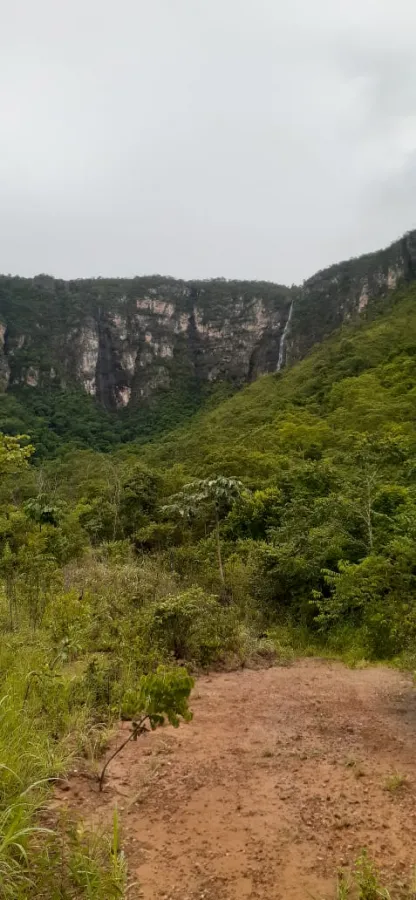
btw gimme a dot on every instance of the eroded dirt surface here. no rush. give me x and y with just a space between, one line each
278 781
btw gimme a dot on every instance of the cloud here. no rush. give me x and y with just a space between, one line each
245 138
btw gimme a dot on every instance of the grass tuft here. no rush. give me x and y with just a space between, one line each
395 782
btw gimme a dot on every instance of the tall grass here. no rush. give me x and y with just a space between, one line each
36 860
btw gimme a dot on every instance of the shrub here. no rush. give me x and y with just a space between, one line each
193 626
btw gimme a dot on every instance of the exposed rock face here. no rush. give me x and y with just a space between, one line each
4 366
89 344
124 341
345 290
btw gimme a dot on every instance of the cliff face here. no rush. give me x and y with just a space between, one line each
344 291
123 341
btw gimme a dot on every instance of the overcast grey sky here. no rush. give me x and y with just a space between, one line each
243 138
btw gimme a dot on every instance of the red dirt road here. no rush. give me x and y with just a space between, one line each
277 781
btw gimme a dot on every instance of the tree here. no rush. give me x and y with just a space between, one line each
13 456
40 510
214 496
368 495
138 497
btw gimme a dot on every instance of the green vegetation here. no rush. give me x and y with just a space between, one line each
364 883
161 696
61 420
60 340
281 521
323 535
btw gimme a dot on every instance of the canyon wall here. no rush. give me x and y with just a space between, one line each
125 340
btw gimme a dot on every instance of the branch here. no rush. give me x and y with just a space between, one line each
138 728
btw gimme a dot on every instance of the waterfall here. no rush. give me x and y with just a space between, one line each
282 345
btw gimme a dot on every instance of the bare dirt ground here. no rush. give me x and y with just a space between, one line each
279 780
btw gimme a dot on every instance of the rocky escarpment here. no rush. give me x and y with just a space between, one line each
345 290
124 341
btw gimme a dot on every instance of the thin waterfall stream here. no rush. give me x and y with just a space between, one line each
281 359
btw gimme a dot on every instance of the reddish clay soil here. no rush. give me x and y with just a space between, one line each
277 782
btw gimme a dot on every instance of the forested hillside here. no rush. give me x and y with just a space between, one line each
101 362
323 519
283 518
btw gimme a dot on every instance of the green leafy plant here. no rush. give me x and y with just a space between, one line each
162 695
192 625
214 495
368 881
14 453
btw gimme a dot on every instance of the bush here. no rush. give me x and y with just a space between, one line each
193 626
